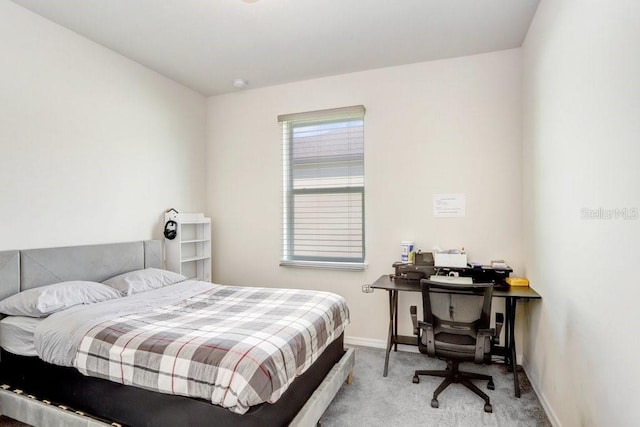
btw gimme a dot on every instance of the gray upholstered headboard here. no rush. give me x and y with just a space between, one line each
26 269
9 273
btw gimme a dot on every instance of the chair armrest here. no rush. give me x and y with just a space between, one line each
483 337
414 319
499 323
426 339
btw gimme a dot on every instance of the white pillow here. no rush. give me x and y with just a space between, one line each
42 301
143 280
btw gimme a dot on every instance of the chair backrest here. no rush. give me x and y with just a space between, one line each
458 311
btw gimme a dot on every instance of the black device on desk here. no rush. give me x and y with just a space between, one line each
421 268
484 274
412 272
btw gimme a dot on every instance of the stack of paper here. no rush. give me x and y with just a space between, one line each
499 264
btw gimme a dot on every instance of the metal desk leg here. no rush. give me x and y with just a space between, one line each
511 351
508 337
395 321
393 305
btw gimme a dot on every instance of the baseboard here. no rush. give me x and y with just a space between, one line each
365 342
369 342
534 381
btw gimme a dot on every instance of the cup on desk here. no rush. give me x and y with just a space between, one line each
406 247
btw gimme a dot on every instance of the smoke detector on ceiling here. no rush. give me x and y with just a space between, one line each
240 83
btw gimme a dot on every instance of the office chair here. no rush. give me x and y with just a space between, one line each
455 328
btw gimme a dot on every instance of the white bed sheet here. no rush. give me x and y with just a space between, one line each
17 335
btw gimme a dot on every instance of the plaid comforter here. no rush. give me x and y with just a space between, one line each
235 346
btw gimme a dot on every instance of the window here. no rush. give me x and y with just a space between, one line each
323 188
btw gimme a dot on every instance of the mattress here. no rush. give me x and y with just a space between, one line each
17 335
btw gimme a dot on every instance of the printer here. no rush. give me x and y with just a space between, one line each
421 268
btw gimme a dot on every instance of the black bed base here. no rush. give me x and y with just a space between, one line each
133 406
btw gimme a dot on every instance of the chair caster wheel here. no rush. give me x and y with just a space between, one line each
416 379
435 404
491 386
487 407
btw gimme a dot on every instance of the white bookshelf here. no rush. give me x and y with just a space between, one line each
190 252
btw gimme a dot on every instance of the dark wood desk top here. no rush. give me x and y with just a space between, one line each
385 282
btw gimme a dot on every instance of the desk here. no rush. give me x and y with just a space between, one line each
511 295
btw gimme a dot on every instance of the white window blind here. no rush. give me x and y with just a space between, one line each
323 186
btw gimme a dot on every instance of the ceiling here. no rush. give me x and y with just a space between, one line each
206 44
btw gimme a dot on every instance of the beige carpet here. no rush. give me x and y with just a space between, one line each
373 400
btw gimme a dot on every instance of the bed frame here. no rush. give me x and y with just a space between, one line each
42 394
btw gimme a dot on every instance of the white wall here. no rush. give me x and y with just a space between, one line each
581 151
438 127
94 146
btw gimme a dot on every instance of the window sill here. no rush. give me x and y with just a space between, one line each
322 265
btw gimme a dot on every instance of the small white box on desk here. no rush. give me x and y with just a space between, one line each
449 260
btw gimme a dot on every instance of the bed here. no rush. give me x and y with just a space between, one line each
299 398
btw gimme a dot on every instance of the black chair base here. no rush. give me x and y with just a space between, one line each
454 375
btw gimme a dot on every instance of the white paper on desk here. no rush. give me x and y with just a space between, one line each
449 205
